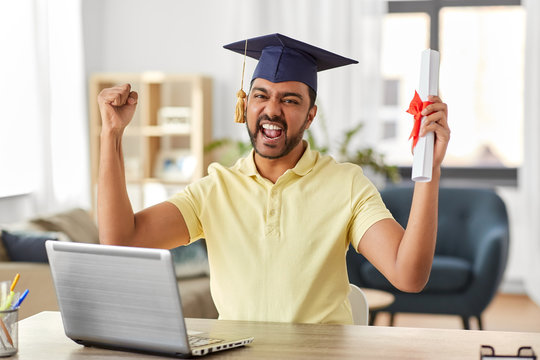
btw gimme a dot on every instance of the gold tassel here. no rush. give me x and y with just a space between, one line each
240 107
239 113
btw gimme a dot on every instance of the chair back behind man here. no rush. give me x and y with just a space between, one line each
359 305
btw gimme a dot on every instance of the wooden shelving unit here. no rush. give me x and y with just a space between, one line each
160 156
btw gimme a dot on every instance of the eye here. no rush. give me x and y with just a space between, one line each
291 101
259 96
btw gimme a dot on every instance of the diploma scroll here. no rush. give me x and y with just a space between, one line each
429 84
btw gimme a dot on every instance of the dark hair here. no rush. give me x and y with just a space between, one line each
312 97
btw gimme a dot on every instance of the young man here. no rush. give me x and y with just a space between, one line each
279 222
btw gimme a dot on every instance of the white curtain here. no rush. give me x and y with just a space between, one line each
530 175
352 28
42 91
18 98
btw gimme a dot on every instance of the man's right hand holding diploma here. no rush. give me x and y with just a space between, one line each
405 256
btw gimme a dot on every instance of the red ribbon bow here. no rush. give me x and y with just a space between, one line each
415 109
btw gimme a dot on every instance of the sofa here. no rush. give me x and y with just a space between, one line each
22 251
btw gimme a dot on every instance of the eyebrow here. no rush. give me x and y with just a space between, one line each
293 94
282 94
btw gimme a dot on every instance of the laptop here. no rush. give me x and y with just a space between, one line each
126 298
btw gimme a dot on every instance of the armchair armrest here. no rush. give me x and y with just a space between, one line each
488 266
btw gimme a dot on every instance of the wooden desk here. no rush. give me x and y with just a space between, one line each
42 337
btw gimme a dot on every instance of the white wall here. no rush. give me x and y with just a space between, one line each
176 36
516 269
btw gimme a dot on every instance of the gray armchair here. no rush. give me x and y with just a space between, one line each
470 256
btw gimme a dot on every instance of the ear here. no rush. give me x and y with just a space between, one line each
311 115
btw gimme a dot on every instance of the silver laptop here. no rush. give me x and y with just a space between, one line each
126 298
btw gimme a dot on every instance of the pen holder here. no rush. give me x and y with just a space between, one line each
9 331
4 292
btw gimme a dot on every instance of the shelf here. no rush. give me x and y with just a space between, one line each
156 130
165 182
144 181
173 118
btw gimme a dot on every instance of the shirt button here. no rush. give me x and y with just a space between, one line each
272 212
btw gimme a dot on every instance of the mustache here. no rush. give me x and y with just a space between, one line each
275 119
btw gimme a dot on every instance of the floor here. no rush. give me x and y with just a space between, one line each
507 312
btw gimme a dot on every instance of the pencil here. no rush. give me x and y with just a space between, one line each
6 331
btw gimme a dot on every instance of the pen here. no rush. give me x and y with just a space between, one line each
21 299
9 299
15 280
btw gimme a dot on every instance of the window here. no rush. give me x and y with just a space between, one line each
481 77
18 100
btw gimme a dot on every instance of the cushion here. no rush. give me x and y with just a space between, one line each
77 224
27 245
191 260
448 274
22 226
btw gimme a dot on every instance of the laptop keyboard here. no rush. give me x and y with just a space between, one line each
202 341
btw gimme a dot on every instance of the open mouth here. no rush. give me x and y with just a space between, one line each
271 131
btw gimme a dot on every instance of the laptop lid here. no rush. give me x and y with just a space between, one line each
119 297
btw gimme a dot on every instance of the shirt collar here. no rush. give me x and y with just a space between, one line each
306 162
247 165
302 167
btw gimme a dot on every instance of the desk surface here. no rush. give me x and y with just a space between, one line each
42 337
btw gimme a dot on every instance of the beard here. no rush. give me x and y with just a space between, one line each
290 142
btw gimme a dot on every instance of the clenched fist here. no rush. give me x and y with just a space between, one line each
117 105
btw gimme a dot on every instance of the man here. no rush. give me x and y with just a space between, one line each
279 222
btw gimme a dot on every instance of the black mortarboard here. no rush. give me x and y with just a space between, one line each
282 58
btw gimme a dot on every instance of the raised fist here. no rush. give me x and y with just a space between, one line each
117 105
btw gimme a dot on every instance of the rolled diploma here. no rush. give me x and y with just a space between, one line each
429 85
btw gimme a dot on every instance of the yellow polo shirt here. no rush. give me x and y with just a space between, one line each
277 251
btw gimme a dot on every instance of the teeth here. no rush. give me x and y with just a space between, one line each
271 127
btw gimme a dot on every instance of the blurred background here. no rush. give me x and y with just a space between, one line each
489 77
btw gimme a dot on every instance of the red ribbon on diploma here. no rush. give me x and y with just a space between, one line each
415 109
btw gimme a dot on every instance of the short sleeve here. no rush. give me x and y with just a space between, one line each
367 207
189 204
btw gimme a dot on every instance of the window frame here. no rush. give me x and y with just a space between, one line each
471 176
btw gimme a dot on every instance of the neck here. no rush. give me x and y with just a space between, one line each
272 169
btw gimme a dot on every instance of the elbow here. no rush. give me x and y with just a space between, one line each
413 283
412 287
412 277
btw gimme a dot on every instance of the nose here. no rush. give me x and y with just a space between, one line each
273 108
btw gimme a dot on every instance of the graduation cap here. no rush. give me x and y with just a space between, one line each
282 58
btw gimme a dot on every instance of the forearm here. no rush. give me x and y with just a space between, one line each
115 214
416 250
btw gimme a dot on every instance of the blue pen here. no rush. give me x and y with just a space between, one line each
19 302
